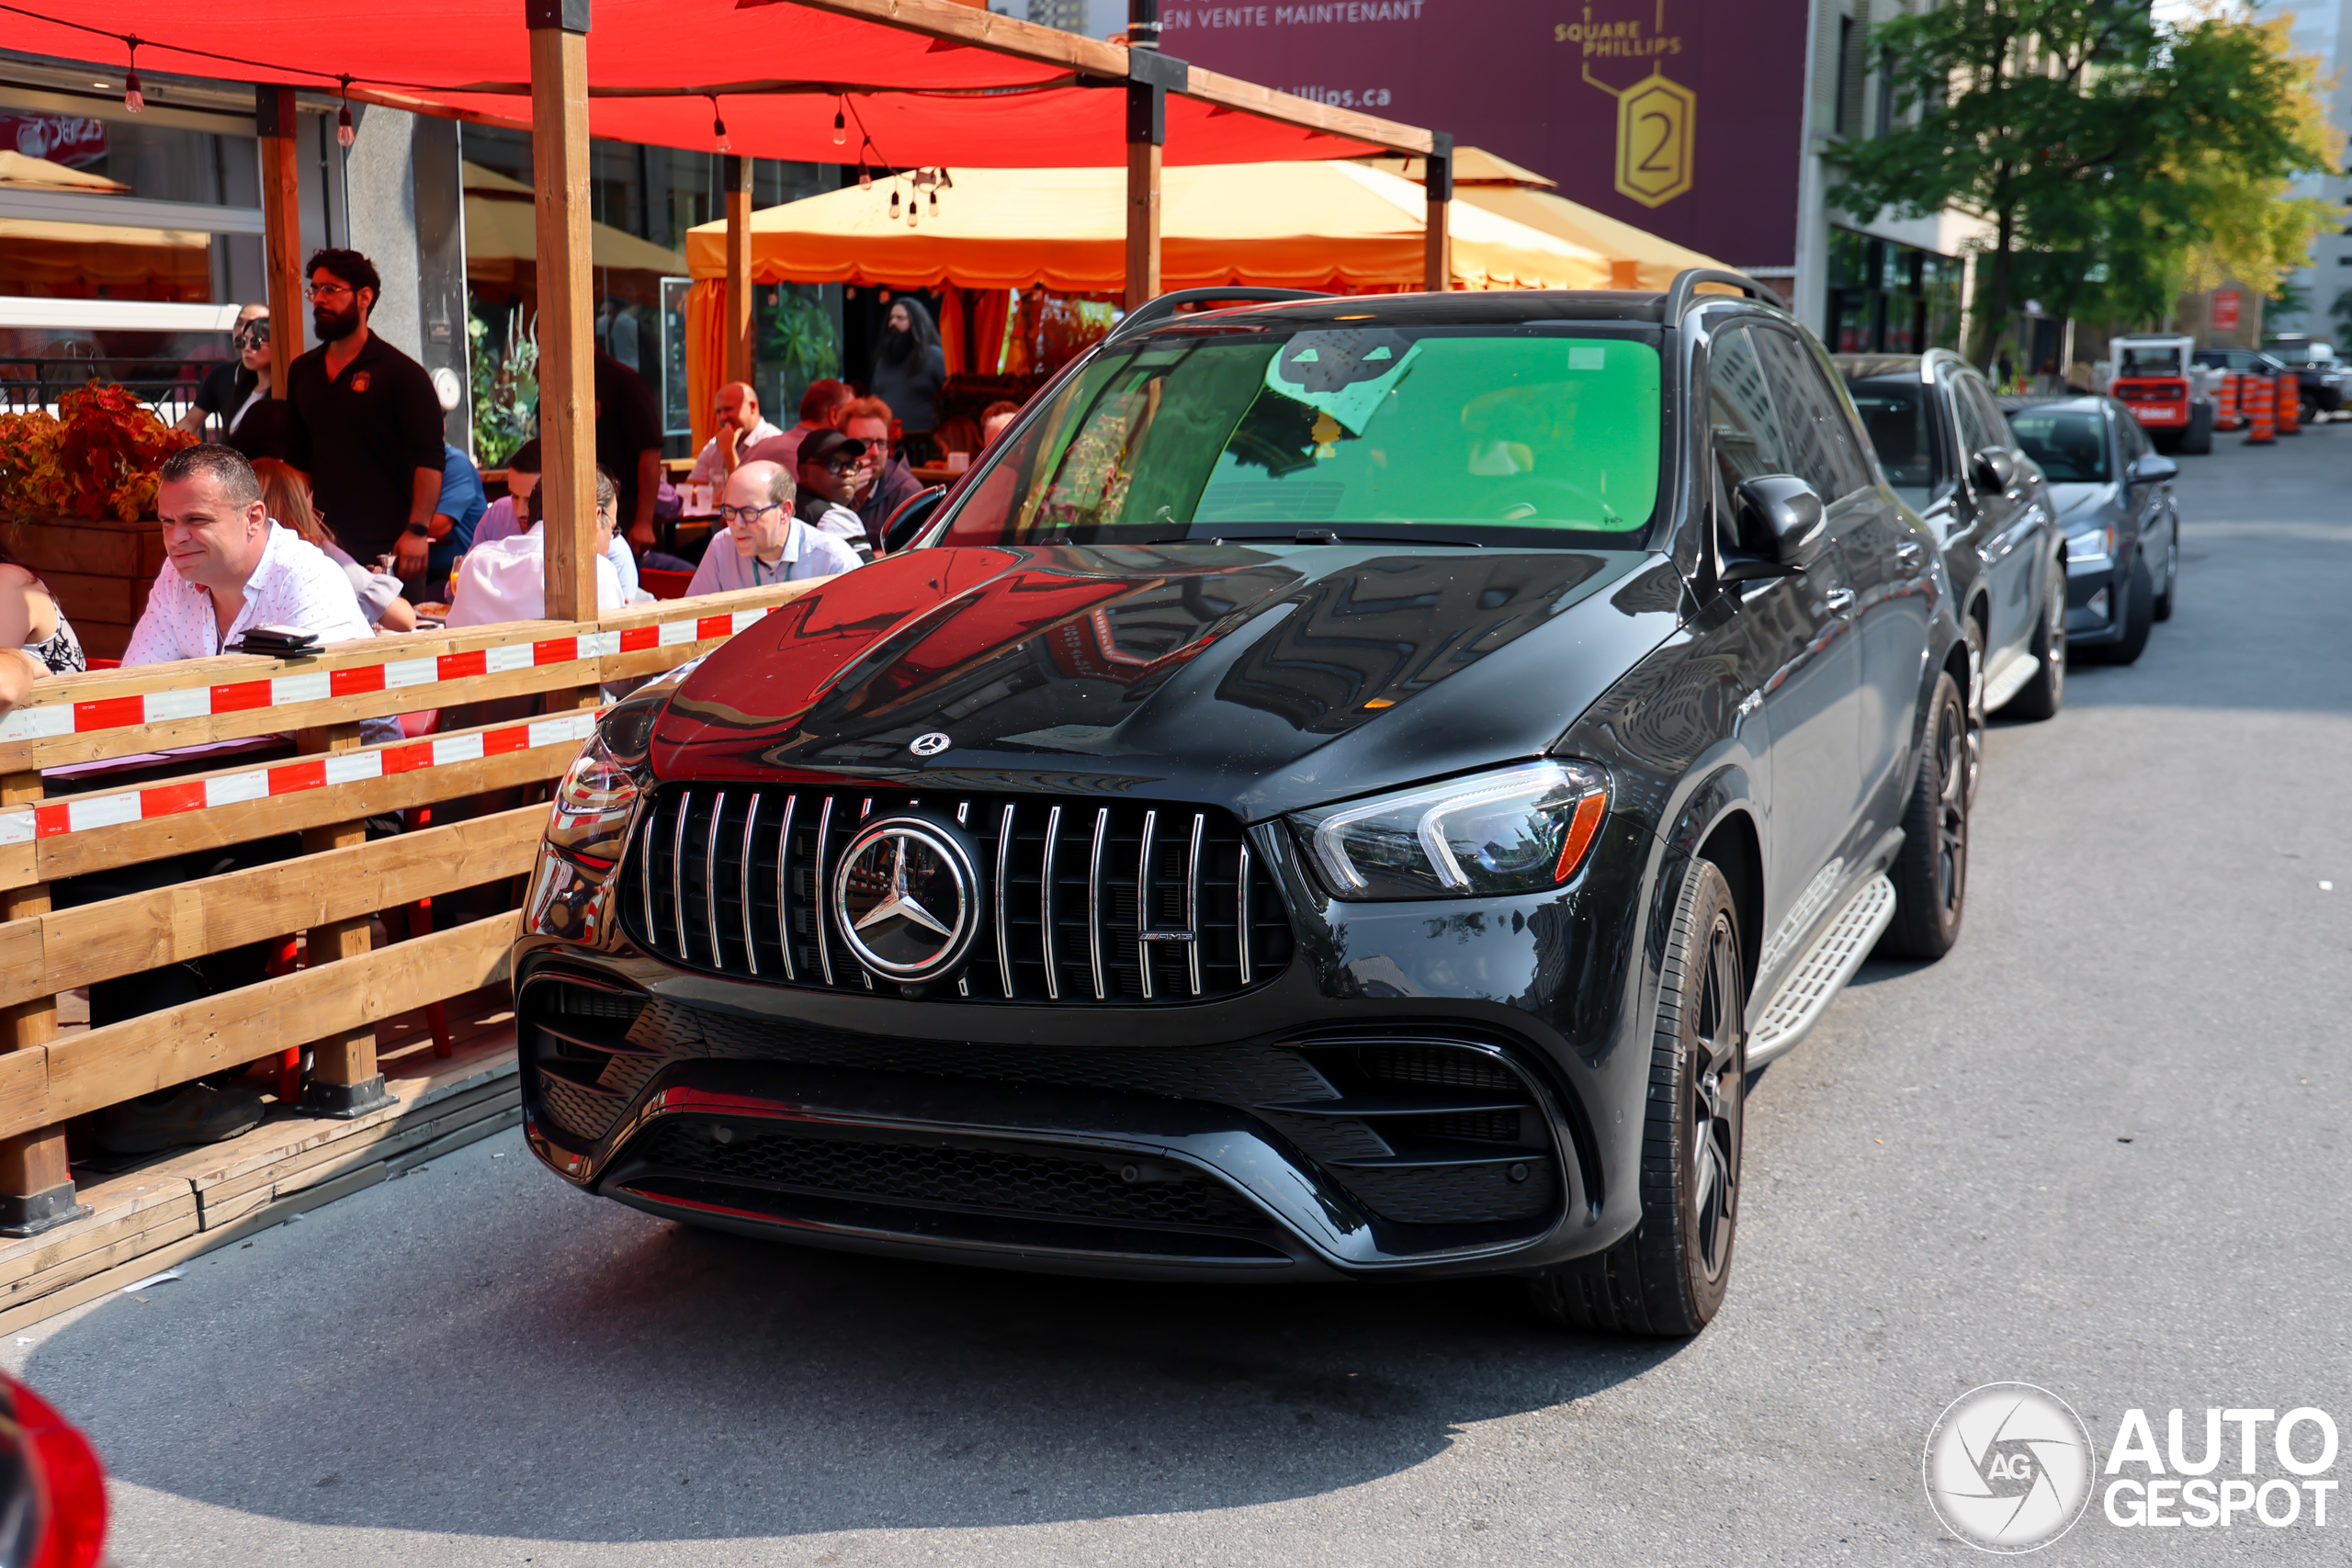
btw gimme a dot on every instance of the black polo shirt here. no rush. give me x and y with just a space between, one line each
628 422
361 438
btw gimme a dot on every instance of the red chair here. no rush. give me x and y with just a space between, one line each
665 584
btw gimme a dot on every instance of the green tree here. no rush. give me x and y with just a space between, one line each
2083 133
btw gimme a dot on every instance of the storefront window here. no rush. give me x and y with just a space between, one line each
1886 297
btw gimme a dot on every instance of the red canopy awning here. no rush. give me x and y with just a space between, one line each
1008 96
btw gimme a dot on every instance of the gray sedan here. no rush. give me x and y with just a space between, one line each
2114 497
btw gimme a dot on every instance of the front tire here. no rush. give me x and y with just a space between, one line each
1930 874
2042 696
1668 1278
2139 612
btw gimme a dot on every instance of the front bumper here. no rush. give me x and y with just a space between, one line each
2094 590
1452 1100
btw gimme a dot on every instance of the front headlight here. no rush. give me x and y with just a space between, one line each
593 804
2097 543
1519 830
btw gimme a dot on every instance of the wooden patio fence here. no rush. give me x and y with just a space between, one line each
330 891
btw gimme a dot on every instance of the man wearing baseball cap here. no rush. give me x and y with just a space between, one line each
828 484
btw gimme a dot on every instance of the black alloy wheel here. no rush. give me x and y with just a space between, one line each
2041 697
2162 609
1931 874
1668 1278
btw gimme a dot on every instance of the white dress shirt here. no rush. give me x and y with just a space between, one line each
807 553
506 579
295 583
501 523
708 471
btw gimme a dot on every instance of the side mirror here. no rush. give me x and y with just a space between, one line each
1993 469
914 514
1781 525
2154 469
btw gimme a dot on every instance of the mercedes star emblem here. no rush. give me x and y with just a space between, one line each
930 745
906 896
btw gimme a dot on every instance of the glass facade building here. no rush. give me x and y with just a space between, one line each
1886 297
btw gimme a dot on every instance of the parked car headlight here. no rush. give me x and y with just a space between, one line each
2097 543
1518 829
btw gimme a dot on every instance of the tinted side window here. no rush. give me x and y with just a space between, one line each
1980 424
1748 441
1822 449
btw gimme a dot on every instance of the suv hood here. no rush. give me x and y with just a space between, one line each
1260 679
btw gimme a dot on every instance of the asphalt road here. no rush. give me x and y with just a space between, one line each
2100 1148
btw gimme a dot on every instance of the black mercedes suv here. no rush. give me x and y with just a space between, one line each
1347 788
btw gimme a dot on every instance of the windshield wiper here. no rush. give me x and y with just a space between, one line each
1332 537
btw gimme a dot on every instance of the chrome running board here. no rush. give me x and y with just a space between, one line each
1826 967
2000 688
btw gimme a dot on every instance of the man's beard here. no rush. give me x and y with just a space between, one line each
898 343
332 326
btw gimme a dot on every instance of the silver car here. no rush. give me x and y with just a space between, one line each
2114 497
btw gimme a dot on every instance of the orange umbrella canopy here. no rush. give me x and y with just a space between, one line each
661 71
1313 225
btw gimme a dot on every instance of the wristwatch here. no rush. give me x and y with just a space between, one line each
420 530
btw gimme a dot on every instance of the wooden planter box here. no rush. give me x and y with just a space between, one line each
99 569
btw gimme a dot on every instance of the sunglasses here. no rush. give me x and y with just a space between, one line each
251 334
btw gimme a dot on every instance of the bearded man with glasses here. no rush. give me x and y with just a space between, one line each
364 421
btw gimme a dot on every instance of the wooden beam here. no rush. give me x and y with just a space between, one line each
281 216
1437 232
567 338
1143 222
45 953
36 1179
127 844
738 180
157 1050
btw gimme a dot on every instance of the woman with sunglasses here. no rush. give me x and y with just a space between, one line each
234 389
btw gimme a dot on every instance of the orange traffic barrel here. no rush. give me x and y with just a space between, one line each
2261 393
2225 403
2291 402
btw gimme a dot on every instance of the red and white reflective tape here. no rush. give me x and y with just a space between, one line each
24 824
397 674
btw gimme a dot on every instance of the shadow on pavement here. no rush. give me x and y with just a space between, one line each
614 1378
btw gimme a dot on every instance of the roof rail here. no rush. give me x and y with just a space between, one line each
1685 288
1163 307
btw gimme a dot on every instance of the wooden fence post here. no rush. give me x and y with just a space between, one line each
1437 236
36 1182
737 172
343 1079
567 341
281 217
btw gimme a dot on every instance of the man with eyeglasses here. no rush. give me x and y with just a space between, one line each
828 478
769 544
364 421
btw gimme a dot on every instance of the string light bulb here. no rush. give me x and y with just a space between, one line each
840 128
133 98
894 204
865 177
346 133
913 209
719 127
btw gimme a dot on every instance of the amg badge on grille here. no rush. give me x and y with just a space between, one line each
907 897
930 745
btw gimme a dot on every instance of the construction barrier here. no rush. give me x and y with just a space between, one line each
2258 399
2226 402
2291 402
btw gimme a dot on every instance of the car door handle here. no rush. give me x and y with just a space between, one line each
1838 598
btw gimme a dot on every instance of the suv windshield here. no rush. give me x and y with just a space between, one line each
2145 359
1478 435
1894 411
2069 444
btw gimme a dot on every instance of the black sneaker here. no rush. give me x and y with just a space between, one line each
197 1114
